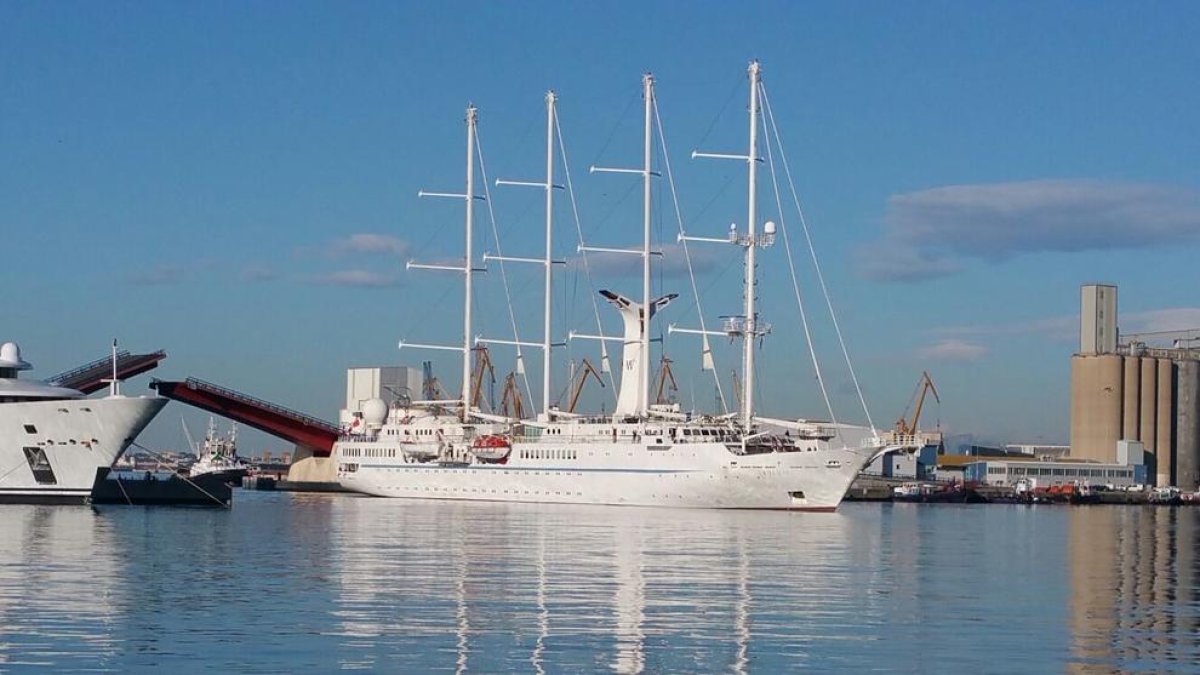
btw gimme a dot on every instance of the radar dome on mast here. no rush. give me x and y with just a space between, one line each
374 412
10 357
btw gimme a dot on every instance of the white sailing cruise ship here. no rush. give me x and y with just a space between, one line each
642 454
53 439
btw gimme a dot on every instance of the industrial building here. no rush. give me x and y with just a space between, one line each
1129 469
1138 388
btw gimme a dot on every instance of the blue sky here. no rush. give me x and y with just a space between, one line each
236 183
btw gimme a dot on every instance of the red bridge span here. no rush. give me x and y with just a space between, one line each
290 425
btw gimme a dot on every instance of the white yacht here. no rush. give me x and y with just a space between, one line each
53 439
642 454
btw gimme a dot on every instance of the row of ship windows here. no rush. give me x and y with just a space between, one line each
719 433
546 493
492 491
549 454
369 452
522 472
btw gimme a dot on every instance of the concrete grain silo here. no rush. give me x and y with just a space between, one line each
1097 387
1164 449
1148 404
1187 425
1130 398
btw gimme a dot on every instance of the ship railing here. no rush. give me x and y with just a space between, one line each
89 366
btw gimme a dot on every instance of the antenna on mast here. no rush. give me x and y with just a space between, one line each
114 385
746 326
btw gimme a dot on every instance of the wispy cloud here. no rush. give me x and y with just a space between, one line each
1061 328
1158 320
159 275
370 243
1066 328
953 350
359 279
258 273
933 233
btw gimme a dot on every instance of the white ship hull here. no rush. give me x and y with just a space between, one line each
76 437
697 475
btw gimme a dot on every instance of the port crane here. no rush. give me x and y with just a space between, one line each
665 376
483 365
511 402
924 386
586 368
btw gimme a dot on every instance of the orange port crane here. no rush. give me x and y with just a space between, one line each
665 375
924 386
512 404
586 368
483 363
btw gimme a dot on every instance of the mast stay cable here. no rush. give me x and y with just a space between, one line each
708 362
787 246
812 252
512 317
605 365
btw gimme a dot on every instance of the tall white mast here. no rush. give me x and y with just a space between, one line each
636 369
751 247
648 96
468 268
747 326
549 262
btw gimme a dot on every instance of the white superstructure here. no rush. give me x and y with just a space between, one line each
643 454
53 439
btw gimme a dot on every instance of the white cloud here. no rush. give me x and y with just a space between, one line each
359 279
936 232
370 243
953 349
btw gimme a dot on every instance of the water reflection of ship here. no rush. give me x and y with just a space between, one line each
1133 602
50 559
526 587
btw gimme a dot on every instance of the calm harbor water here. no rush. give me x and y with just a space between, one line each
286 583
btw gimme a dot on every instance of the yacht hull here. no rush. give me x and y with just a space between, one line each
68 440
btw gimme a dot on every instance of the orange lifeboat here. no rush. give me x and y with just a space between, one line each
491 448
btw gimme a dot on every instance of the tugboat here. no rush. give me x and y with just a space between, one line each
929 494
217 456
